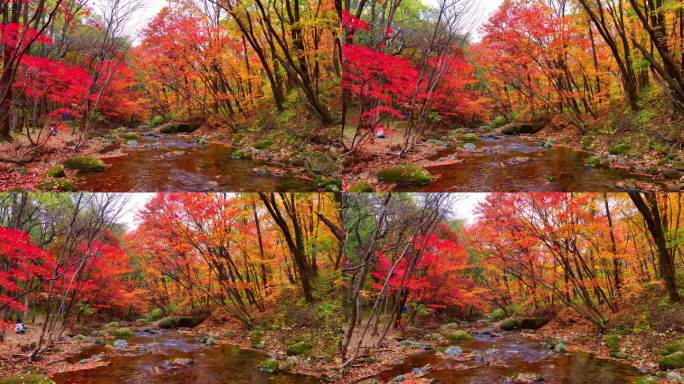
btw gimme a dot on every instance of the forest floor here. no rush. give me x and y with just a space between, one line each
33 162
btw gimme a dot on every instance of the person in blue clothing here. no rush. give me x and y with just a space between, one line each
19 327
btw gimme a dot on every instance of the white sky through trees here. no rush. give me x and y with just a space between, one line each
150 8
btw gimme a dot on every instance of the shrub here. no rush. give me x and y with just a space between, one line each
498 122
156 314
497 314
131 136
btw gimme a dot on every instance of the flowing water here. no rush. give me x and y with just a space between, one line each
490 360
145 361
511 164
174 163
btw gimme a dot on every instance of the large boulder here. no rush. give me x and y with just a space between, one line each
180 322
518 128
180 127
533 322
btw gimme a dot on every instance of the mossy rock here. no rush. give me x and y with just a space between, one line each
255 338
592 162
112 324
405 175
470 138
613 342
121 332
180 322
648 379
361 187
510 324
675 346
240 155
459 336
56 172
85 164
269 365
319 163
619 149
618 355
672 361
26 379
263 144
298 348
61 185
131 136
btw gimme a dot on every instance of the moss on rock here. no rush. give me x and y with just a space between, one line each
672 361
298 348
361 187
459 336
56 172
85 164
405 175
470 138
674 346
269 365
26 379
122 332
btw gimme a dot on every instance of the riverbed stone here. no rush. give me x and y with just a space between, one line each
26 379
592 162
420 372
453 351
525 378
398 379
120 344
470 147
672 361
403 175
675 377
